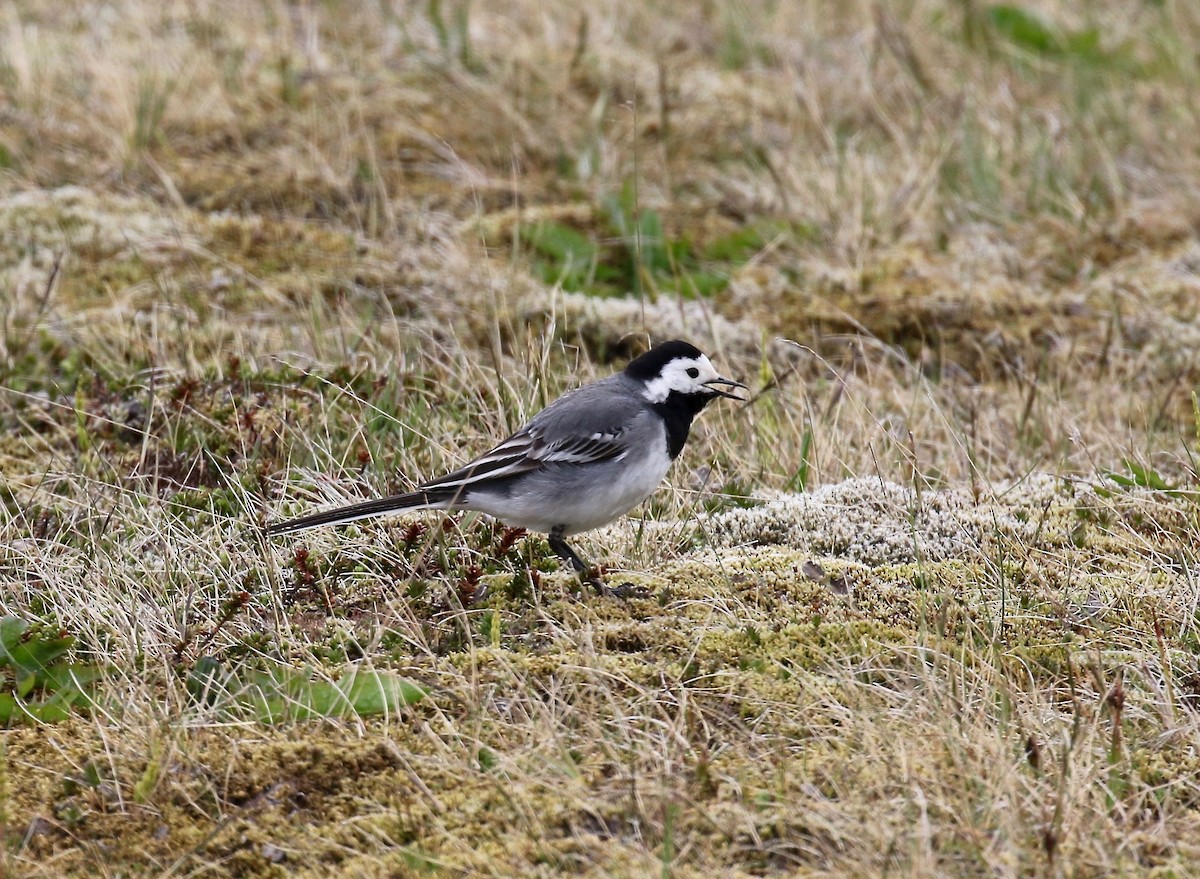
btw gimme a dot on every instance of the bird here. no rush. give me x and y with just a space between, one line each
584 461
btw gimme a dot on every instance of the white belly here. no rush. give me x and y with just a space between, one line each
579 497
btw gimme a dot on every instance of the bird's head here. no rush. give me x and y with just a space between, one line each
679 368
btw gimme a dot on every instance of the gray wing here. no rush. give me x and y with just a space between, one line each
584 426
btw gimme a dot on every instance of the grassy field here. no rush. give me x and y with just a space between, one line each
928 605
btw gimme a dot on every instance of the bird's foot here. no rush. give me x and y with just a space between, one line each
621 592
624 591
589 575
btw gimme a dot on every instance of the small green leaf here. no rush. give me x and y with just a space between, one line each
91 774
25 682
75 676
45 687
1028 31
704 284
296 696
206 680
568 257
736 247
373 692
52 711
799 480
651 241
35 655
1140 477
1024 29
12 628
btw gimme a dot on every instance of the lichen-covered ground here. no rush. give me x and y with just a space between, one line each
926 605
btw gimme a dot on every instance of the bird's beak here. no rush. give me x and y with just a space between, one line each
728 383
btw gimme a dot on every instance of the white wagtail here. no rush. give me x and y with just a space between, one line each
589 457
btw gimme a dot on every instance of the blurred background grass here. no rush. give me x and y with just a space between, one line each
1001 197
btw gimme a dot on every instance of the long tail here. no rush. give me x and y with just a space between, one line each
414 500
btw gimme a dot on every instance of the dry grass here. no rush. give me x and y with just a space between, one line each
258 257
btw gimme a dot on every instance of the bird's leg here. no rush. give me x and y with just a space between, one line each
564 552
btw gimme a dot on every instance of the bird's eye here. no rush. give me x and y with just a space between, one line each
693 372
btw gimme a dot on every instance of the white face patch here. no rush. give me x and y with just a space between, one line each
684 375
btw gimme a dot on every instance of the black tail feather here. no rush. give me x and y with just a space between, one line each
414 500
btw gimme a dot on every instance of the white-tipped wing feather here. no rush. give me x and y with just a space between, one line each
530 449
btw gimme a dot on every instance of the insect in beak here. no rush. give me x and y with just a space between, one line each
726 382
